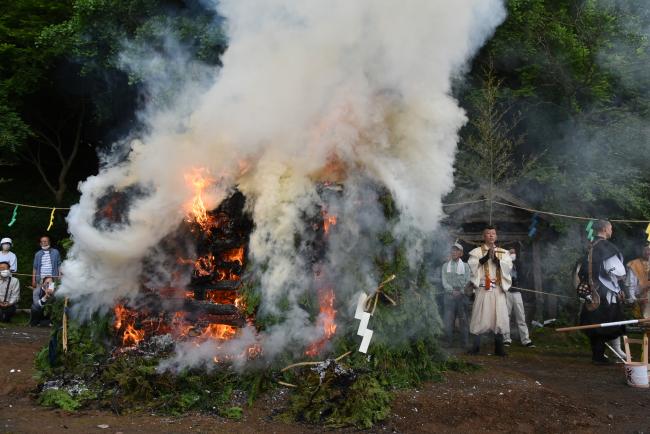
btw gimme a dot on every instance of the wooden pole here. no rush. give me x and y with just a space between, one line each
537 283
65 325
602 325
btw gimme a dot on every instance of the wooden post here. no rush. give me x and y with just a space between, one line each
537 283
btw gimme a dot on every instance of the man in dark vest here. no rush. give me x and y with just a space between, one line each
607 278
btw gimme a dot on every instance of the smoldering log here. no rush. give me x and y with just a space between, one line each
155 304
232 320
220 285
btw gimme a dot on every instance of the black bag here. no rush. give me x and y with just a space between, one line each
586 288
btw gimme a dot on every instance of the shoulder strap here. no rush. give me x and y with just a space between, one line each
590 268
7 290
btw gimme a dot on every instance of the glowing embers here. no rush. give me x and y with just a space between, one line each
205 265
227 266
326 320
132 327
222 297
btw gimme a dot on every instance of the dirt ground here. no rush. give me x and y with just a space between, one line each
532 390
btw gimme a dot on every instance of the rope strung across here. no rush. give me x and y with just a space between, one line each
555 214
16 205
542 292
30 206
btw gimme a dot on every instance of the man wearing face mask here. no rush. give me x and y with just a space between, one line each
6 255
40 297
455 276
46 261
9 293
516 308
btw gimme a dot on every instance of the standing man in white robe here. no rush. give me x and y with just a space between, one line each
490 266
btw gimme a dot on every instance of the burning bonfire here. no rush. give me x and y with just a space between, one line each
211 307
215 308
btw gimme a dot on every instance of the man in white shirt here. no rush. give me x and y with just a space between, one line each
455 276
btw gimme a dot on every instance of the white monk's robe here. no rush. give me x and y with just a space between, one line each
490 310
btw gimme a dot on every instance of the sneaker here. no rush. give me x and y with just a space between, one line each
530 345
507 344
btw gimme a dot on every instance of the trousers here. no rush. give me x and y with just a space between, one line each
516 309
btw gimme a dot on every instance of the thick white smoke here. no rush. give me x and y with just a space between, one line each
358 90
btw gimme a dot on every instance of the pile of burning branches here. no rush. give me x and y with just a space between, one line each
114 360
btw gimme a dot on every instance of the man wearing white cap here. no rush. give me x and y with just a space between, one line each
455 276
6 255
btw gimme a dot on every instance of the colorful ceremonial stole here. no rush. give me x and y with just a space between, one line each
486 268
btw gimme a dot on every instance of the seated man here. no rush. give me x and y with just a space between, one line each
41 295
9 293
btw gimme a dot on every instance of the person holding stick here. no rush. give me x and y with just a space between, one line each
490 267
603 269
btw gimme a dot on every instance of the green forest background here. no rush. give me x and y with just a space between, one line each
557 101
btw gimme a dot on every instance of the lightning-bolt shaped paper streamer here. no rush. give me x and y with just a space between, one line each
363 330
364 316
590 230
13 216
647 231
51 219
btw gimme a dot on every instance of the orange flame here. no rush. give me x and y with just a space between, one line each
328 220
120 316
326 319
126 318
132 336
234 255
220 332
199 180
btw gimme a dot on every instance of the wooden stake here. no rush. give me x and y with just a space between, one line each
378 292
65 325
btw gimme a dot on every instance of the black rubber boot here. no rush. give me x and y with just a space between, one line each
476 346
499 349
